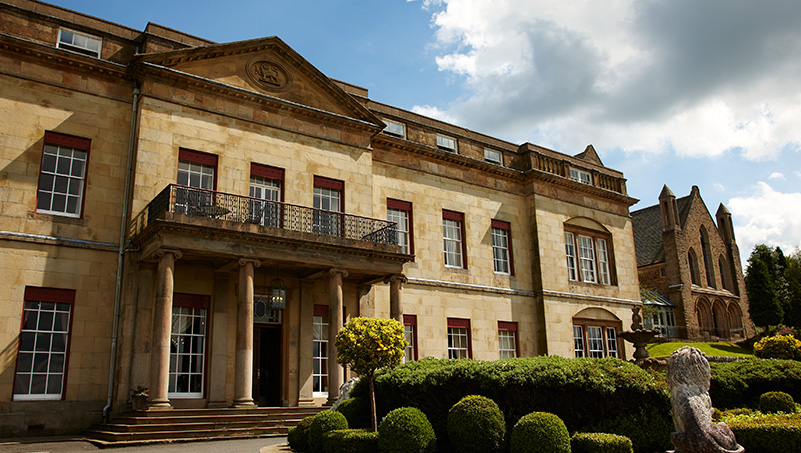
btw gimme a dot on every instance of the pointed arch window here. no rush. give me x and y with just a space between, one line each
708 268
693 261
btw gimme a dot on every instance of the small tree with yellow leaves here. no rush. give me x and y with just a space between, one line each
367 344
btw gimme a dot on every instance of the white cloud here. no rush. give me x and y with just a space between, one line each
663 76
797 173
434 112
777 175
720 187
768 217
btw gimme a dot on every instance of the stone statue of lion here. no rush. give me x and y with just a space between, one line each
688 376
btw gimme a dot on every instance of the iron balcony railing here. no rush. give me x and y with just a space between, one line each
239 209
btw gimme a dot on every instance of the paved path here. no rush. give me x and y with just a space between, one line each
69 445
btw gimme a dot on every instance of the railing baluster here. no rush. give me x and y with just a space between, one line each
235 208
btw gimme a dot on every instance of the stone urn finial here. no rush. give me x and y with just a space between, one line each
688 376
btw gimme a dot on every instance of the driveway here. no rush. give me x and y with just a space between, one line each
62 444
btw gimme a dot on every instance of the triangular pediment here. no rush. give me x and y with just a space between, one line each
267 66
590 155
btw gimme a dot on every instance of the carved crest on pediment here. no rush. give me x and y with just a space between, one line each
267 74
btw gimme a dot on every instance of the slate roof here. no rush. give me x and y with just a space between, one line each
647 226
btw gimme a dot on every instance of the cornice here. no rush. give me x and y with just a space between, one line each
534 174
60 57
407 146
153 72
336 245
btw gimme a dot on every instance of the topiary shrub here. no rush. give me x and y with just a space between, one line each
406 430
350 441
298 436
741 383
779 347
357 411
582 392
776 402
540 432
600 443
766 433
648 431
476 424
322 423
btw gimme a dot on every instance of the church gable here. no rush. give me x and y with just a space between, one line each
267 66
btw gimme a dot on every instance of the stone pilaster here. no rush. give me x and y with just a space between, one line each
395 301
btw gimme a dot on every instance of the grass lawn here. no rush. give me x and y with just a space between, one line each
719 348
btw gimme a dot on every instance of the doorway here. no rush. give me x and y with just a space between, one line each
267 365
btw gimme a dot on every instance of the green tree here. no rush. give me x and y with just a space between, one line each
792 274
367 344
763 306
776 263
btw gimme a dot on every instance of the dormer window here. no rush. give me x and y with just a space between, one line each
79 42
581 176
395 129
491 155
446 143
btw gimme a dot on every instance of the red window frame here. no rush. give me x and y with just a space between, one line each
511 326
459 217
199 157
603 324
461 323
334 184
267 171
404 206
72 141
55 295
508 228
411 320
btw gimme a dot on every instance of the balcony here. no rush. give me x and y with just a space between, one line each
199 204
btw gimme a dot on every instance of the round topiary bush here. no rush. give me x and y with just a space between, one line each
406 430
298 436
351 441
540 432
600 443
322 423
357 411
476 424
776 402
779 347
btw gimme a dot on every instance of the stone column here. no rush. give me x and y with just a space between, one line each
243 382
162 328
335 374
395 302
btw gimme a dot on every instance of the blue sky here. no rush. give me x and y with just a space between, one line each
676 92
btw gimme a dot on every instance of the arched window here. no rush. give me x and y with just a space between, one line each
703 313
710 275
589 252
595 333
724 273
735 318
693 267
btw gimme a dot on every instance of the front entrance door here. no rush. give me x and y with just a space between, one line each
267 365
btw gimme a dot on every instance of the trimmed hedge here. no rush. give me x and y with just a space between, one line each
776 402
600 443
476 424
298 436
322 423
648 431
540 432
357 411
741 383
406 430
350 441
582 392
766 433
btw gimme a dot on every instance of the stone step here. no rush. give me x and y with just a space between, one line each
177 425
119 439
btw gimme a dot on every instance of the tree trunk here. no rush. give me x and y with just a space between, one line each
373 417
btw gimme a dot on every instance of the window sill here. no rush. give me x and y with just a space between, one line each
55 218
